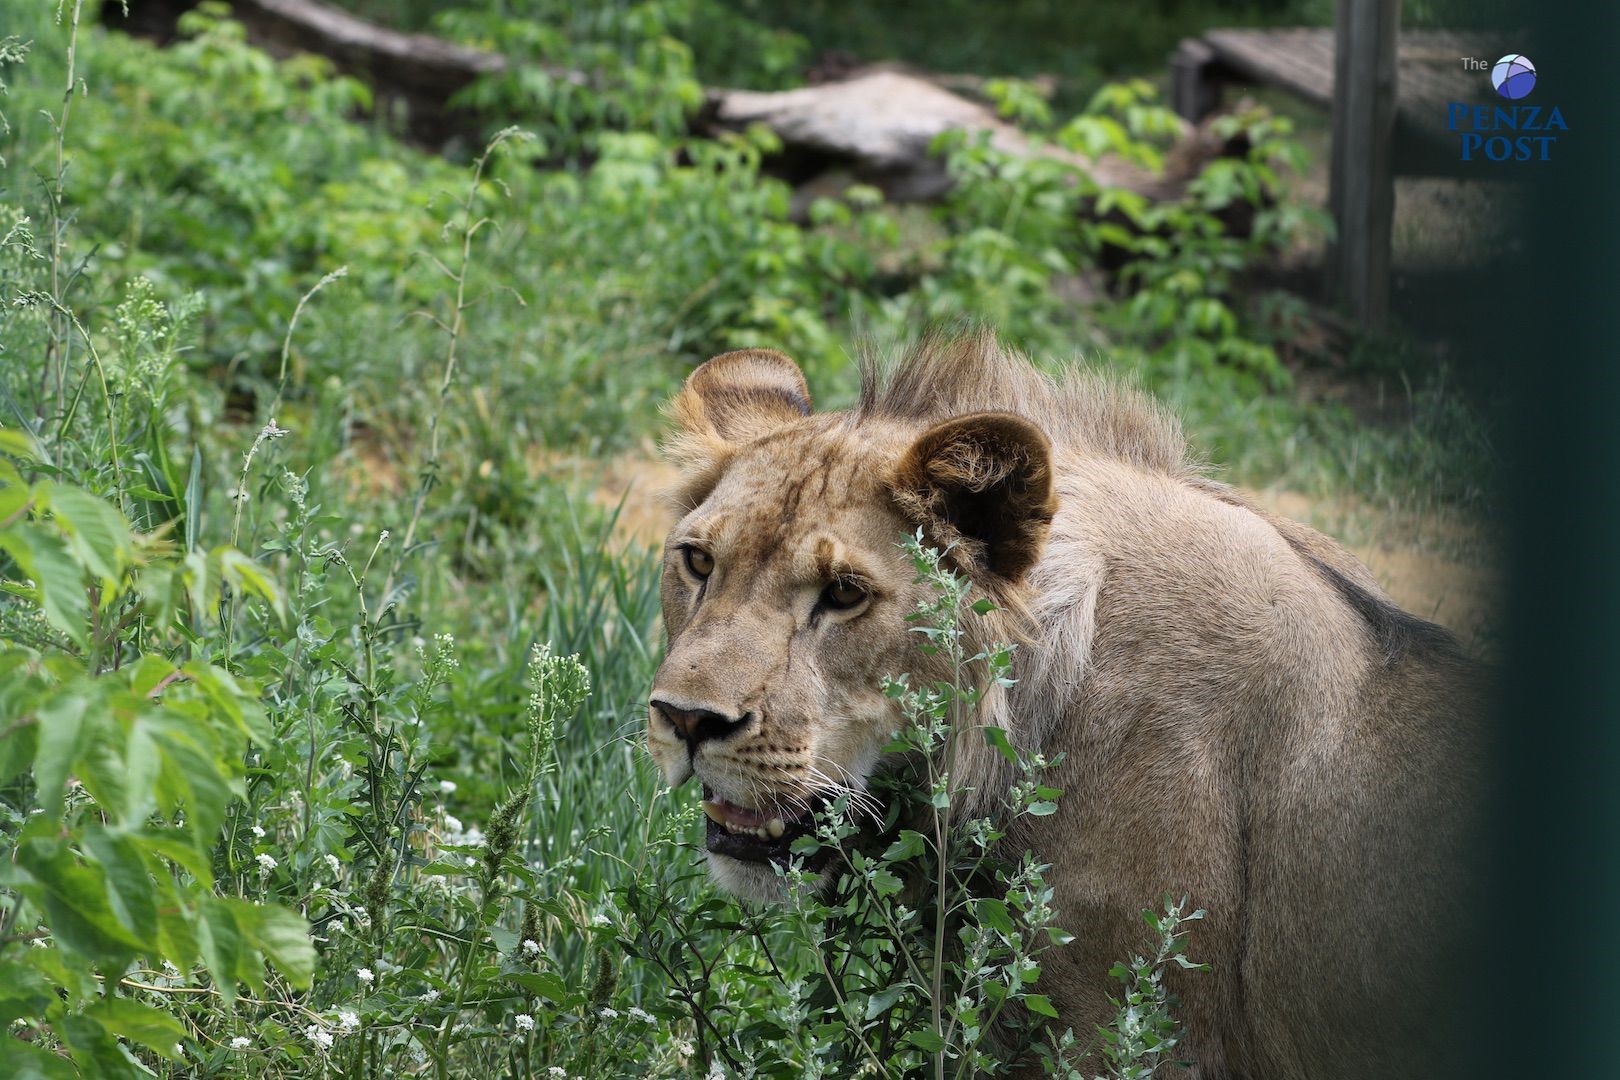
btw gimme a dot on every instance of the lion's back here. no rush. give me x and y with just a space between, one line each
1254 724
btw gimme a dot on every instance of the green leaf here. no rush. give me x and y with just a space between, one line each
548 985
885 883
882 1001
926 1039
283 936
18 443
997 738
23 992
993 913
129 884
74 896
97 532
909 846
43 556
1041 1004
24 1061
152 1028
220 944
58 723
95 1051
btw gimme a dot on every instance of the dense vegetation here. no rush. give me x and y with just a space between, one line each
320 672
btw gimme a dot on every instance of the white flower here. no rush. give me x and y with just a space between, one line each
557 1071
258 833
685 1049
335 864
321 1039
266 863
607 1013
431 995
531 947
365 975
716 1073
641 1014
452 824
601 919
447 786
241 1042
524 1022
348 1021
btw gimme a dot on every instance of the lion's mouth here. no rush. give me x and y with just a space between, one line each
742 832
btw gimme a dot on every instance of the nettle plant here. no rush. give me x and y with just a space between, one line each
924 954
928 942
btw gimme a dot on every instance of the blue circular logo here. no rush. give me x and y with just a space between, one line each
1514 76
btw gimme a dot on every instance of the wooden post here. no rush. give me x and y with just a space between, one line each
1194 90
1362 185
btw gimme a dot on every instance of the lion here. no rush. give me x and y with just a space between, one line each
1243 715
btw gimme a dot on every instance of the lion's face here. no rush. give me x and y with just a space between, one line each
785 593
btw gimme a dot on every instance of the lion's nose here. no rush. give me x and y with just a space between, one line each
699 725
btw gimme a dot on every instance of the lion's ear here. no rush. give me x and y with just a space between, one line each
981 484
739 396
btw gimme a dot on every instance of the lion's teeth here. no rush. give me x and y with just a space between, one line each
771 830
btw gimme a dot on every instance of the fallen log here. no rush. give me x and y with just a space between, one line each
877 125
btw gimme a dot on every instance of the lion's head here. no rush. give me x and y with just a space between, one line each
786 593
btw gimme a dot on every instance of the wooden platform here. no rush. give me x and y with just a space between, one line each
1429 73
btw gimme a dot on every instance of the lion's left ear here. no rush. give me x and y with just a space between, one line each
982 483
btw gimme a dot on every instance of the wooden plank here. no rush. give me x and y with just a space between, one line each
1300 60
1362 179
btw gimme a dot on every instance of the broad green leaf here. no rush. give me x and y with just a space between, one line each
119 765
283 936
997 738
74 896
993 913
885 883
23 992
882 1001
25 1061
194 775
926 1039
249 577
152 1028
220 943
95 1050
548 985
59 722
96 531
1041 1004
43 557
18 443
129 884
908 846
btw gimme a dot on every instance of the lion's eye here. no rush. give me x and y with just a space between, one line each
843 594
700 562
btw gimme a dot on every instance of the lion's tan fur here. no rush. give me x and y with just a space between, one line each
1243 715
